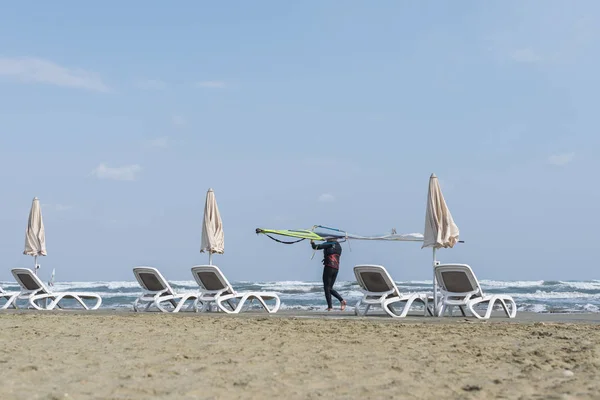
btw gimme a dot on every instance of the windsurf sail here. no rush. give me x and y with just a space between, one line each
51 281
324 233
301 234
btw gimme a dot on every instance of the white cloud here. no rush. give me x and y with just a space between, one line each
36 70
525 56
178 120
326 198
125 173
561 159
160 142
151 84
211 84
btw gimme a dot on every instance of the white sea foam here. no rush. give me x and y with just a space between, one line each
291 286
424 283
544 295
584 285
93 285
537 308
112 295
506 284
591 308
190 283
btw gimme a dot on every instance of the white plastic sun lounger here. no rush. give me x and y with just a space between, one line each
459 287
34 290
215 288
380 290
157 292
9 297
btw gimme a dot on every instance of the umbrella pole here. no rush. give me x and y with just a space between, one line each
434 285
35 267
210 258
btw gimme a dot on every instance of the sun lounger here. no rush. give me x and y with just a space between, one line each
158 292
34 291
9 297
380 290
459 288
216 289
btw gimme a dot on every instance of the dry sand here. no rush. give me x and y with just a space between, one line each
122 355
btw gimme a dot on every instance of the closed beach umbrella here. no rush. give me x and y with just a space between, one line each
35 236
213 238
440 229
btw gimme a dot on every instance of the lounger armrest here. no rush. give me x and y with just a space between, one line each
266 295
160 294
462 299
376 294
80 294
461 294
214 292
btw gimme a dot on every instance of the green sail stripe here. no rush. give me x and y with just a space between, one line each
300 233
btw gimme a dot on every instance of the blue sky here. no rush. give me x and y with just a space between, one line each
119 117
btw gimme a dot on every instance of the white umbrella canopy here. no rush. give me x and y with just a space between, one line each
35 235
213 238
440 229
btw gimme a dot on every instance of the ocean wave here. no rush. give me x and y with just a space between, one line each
536 308
509 284
544 295
532 296
581 285
591 308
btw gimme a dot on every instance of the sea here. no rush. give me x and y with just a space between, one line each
532 296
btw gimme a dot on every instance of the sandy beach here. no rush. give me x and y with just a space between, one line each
124 355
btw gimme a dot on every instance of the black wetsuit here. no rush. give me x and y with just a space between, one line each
332 251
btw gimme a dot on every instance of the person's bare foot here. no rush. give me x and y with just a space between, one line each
329 309
343 307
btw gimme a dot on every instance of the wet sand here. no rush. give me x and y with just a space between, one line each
126 355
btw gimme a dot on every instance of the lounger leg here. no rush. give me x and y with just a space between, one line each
33 301
357 308
230 305
235 310
171 299
389 309
182 302
511 311
179 305
266 307
488 312
387 305
58 298
242 301
442 310
190 306
98 303
10 302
